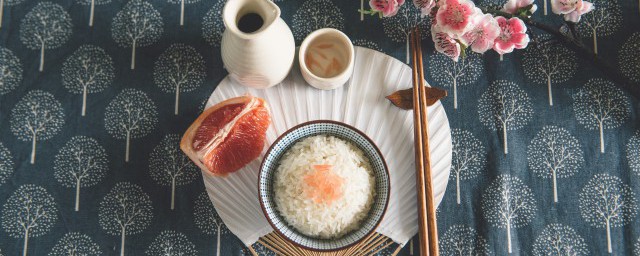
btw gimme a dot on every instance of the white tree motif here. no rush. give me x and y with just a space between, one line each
6 164
182 3
125 210
179 68
88 70
633 153
604 20
464 72
4 3
169 166
29 212
10 70
261 250
212 24
46 26
76 244
92 4
132 114
508 203
367 44
547 62
207 219
314 15
399 26
504 106
627 58
468 157
559 240
607 202
636 250
171 243
462 240
555 153
81 162
138 24
38 116
600 105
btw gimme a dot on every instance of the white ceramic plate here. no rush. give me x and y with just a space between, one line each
359 103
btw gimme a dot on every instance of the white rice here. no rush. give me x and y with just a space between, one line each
324 220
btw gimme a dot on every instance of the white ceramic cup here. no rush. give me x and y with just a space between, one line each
326 58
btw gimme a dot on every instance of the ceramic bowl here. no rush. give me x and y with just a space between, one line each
345 132
343 56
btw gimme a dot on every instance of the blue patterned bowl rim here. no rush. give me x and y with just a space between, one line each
349 133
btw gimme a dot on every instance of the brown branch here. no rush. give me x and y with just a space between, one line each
571 40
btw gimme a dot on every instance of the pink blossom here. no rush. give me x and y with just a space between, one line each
425 6
513 34
512 6
387 7
482 35
454 16
444 43
565 6
574 16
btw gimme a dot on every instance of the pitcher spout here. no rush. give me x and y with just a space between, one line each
249 18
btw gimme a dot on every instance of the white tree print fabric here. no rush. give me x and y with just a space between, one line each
463 240
28 213
604 20
171 243
627 61
207 220
260 250
37 117
132 114
633 153
549 63
448 73
87 70
182 3
90 124
504 106
558 240
606 202
508 203
314 15
212 24
92 7
7 3
10 71
367 44
81 162
179 69
599 105
46 26
169 166
555 153
125 210
398 27
76 244
468 158
7 165
139 24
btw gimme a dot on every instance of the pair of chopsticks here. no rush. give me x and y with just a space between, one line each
426 208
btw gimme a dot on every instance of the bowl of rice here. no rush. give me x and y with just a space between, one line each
324 185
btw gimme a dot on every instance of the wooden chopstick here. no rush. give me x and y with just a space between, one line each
423 226
425 177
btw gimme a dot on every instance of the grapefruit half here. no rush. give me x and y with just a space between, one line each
228 135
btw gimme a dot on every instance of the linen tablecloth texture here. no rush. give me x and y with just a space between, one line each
535 171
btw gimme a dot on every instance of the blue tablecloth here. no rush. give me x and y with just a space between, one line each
541 122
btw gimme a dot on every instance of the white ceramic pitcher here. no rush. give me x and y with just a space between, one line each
258 56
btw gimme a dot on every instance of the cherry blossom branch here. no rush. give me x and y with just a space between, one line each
570 39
